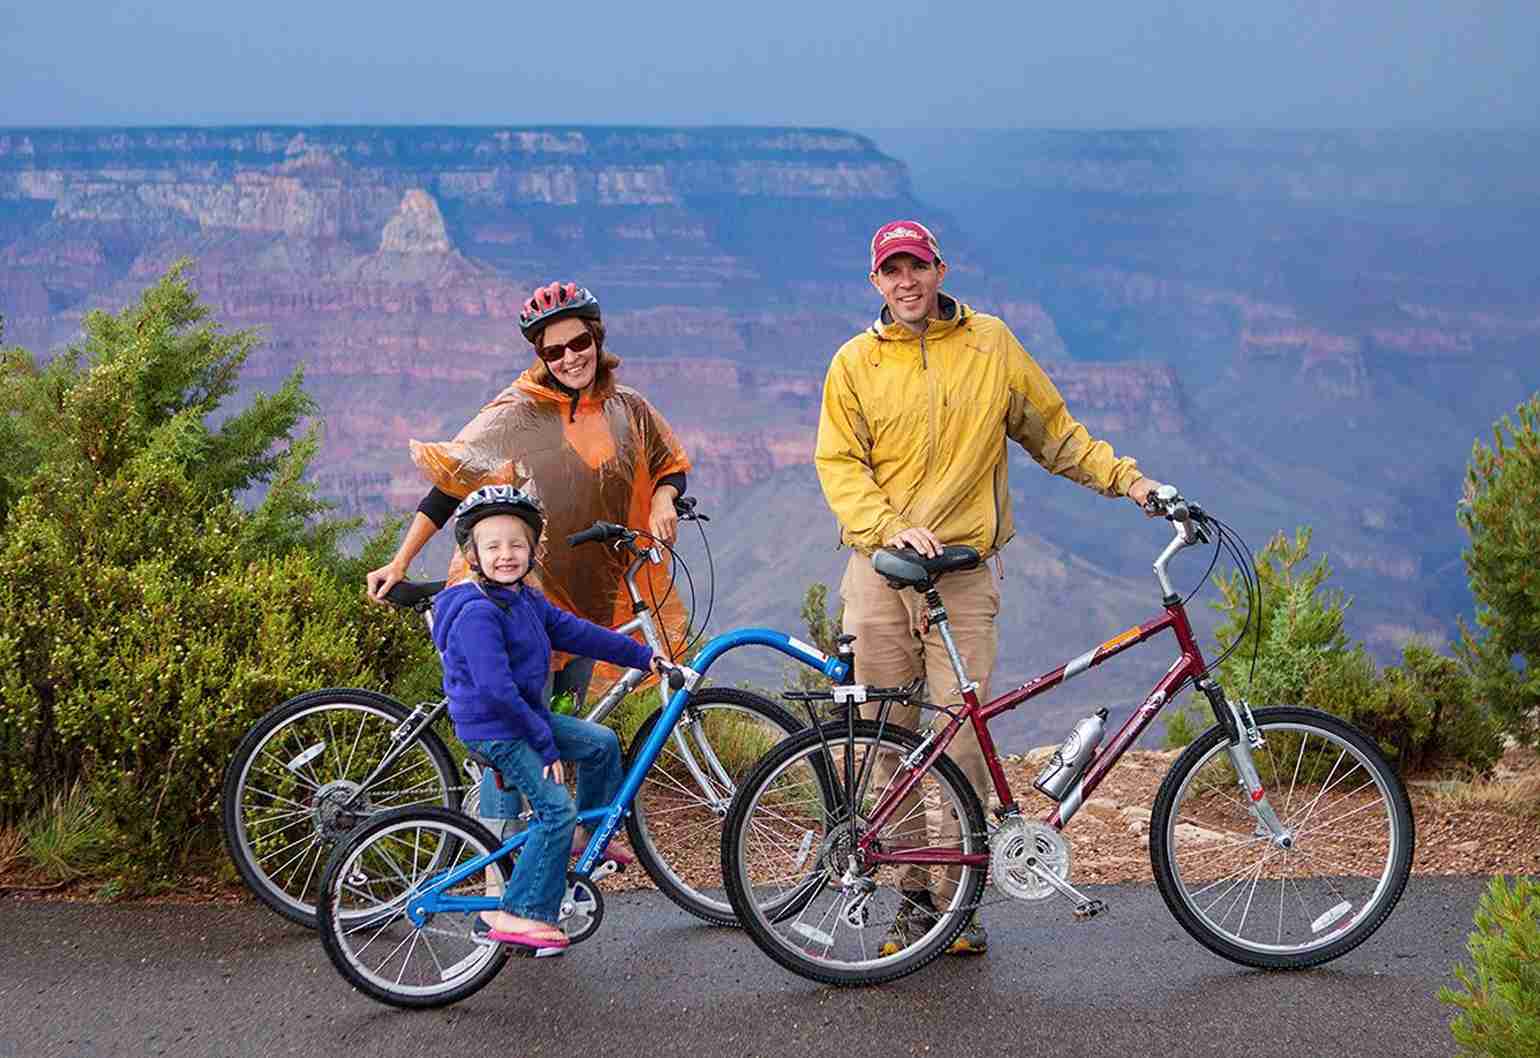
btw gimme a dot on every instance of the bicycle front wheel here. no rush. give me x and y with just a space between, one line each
675 824
800 882
367 923
295 785
1313 895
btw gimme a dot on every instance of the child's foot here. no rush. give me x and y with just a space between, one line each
616 851
525 932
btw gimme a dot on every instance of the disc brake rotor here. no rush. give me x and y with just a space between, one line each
1016 846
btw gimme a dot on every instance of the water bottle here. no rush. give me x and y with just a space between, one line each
1070 759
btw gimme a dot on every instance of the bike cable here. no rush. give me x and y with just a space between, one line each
680 565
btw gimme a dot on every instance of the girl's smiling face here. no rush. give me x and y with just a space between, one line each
503 548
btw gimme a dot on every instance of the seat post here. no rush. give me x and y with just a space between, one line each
935 615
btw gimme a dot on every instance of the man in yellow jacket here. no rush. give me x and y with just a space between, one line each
911 452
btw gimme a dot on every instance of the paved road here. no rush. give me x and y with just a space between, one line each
97 981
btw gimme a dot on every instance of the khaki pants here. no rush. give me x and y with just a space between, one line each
891 650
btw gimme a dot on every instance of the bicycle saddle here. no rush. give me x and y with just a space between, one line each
414 595
904 567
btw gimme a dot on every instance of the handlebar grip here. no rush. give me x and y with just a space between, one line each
598 531
675 679
592 533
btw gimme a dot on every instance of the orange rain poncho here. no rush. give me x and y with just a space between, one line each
597 460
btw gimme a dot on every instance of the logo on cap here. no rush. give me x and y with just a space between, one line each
904 236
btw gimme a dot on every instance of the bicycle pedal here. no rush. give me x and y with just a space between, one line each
1089 910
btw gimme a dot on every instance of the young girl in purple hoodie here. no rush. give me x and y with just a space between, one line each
495 635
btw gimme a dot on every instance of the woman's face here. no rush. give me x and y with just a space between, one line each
574 370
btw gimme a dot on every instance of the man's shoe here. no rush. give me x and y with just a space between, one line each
914 919
973 940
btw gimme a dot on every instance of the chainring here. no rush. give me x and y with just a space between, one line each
1015 846
582 908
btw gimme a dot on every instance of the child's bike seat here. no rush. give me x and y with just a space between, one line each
486 762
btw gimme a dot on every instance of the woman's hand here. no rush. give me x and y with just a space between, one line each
554 772
664 521
379 581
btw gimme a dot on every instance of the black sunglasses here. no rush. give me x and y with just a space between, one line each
552 353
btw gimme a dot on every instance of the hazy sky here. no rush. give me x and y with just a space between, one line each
901 63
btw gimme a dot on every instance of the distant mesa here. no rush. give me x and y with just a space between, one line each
417 227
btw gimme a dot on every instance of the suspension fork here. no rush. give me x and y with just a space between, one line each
1243 738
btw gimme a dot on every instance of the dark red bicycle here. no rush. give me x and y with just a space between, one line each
856 850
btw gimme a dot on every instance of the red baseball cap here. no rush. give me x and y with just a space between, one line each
904 236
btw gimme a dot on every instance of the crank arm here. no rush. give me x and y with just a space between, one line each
1085 906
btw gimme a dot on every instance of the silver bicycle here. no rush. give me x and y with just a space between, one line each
319 764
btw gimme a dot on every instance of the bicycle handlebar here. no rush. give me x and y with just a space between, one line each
1189 517
607 531
601 531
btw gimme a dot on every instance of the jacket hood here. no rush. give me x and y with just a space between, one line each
954 314
451 602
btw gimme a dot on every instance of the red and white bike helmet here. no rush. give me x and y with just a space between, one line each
556 301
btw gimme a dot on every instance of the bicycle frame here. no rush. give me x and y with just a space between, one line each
604 822
1189 665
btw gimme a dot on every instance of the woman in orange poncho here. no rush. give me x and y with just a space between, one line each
589 448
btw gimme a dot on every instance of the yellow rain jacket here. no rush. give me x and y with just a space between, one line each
597 459
913 430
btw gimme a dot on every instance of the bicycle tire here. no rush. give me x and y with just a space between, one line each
347 878
1347 773
296 903
764 922
666 792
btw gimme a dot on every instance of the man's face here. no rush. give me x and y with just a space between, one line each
910 286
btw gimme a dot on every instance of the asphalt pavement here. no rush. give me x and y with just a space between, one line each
89 981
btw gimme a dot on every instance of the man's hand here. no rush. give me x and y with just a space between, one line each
554 772
1140 491
922 540
664 520
379 581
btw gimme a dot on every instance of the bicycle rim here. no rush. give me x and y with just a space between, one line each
1239 891
804 894
295 788
369 883
676 818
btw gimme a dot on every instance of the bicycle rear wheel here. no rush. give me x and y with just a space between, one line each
294 786
367 890
675 824
804 890
1246 896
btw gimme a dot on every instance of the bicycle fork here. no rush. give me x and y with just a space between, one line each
1244 739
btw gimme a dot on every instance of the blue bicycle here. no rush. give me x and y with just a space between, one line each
401 893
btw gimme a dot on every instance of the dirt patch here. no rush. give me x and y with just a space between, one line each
1479 828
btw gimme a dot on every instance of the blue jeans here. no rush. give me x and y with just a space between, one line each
500 810
540 872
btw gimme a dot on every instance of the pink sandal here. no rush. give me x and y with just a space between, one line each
532 941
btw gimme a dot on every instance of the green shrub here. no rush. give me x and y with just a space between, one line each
1499 1000
68 837
1502 516
147 617
1426 709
